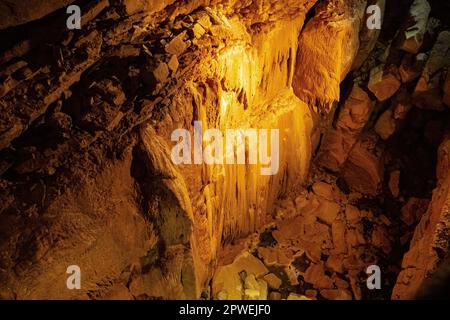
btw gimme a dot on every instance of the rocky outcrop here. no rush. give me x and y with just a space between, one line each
339 141
429 245
319 74
87 178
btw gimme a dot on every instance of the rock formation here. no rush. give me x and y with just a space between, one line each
87 175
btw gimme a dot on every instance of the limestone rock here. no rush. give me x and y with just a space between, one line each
161 73
394 183
341 24
412 66
338 234
383 84
352 214
328 211
412 35
173 64
227 278
413 210
272 281
428 93
335 263
363 163
177 45
430 236
339 141
274 257
316 275
385 126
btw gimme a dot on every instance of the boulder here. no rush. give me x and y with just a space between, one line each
363 171
272 281
227 278
334 28
412 66
386 125
352 118
383 83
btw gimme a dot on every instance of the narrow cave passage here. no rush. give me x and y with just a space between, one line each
224 150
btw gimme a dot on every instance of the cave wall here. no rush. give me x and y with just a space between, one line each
86 119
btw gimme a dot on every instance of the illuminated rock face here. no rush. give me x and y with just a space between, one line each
328 47
87 175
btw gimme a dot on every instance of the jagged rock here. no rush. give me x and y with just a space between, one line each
428 91
401 105
272 281
383 83
161 73
431 236
341 283
413 210
412 35
255 289
205 21
177 45
327 211
352 119
103 106
274 257
386 125
341 22
338 235
316 276
173 64
380 239
355 238
251 282
352 214
335 263
198 31
227 277
394 183
317 232
443 165
412 66
363 163
326 191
